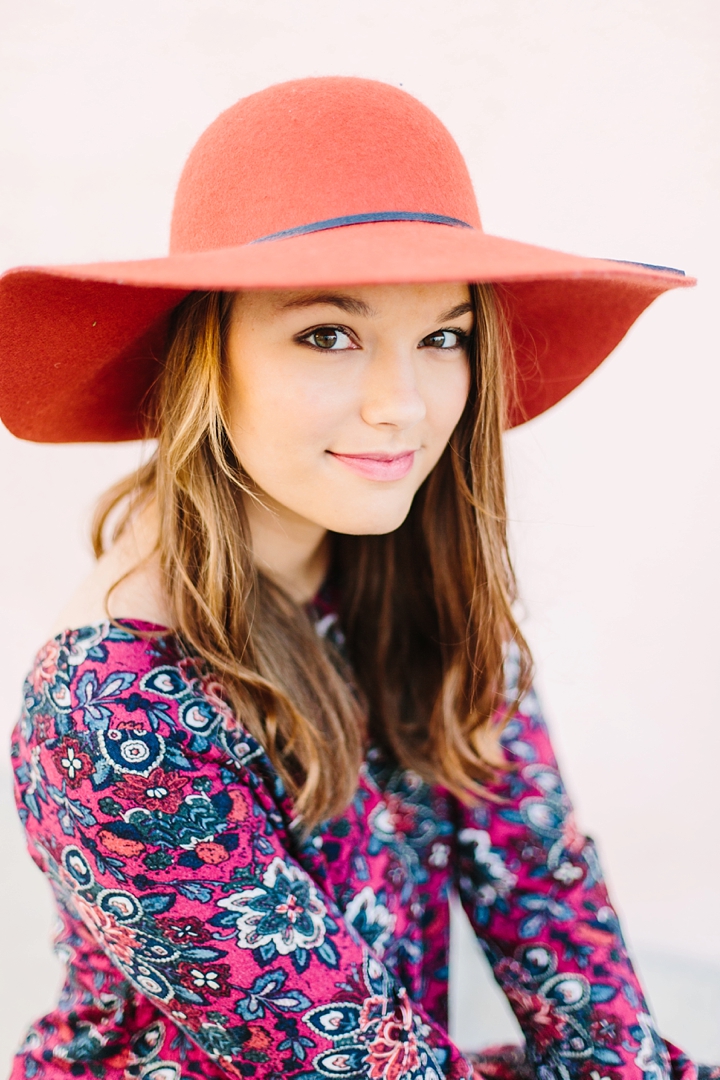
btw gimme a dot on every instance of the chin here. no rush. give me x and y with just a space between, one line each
369 521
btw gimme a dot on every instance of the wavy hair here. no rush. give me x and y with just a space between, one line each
426 610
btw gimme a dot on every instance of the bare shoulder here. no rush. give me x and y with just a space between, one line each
125 583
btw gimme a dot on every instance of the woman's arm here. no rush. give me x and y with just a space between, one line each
533 889
142 804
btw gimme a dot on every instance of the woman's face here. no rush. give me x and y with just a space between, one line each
341 401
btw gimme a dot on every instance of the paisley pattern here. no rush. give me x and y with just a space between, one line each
203 937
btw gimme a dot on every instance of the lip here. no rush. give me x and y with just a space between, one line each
378 466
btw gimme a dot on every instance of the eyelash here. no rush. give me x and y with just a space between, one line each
304 339
462 335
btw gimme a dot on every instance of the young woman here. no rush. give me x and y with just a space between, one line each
290 711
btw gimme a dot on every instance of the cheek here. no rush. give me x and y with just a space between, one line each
280 423
445 397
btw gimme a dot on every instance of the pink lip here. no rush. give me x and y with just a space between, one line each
378 466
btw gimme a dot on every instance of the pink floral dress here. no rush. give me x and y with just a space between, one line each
203 937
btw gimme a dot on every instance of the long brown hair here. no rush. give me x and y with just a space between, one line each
426 610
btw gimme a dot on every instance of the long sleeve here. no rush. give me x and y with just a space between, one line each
533 889
166 839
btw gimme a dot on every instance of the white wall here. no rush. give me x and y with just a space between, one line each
589 125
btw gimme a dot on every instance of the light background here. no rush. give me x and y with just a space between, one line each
588 126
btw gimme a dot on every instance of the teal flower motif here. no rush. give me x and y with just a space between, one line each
285 911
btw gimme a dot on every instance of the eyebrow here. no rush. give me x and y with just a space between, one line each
350 304
455 312
353 306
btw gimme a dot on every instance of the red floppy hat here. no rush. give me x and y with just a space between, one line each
317 182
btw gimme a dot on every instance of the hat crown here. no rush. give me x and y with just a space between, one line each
316 149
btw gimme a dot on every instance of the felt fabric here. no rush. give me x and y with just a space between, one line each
315 149
79 345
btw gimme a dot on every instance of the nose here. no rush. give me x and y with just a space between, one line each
391 395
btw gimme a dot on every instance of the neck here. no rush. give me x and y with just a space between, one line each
291 550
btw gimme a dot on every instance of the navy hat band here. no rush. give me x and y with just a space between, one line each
363 219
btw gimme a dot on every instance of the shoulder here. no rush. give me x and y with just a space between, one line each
133 698
125 747
97 661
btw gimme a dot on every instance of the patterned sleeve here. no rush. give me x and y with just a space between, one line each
533 889
157 822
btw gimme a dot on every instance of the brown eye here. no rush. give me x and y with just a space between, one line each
443 339
325 338
329 338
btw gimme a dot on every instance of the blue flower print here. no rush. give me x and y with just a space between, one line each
371 919
282 915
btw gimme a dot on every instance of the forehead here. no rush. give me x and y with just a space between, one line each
426 301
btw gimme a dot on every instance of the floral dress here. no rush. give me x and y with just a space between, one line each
203 937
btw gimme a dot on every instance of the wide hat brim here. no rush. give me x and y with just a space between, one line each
81 346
